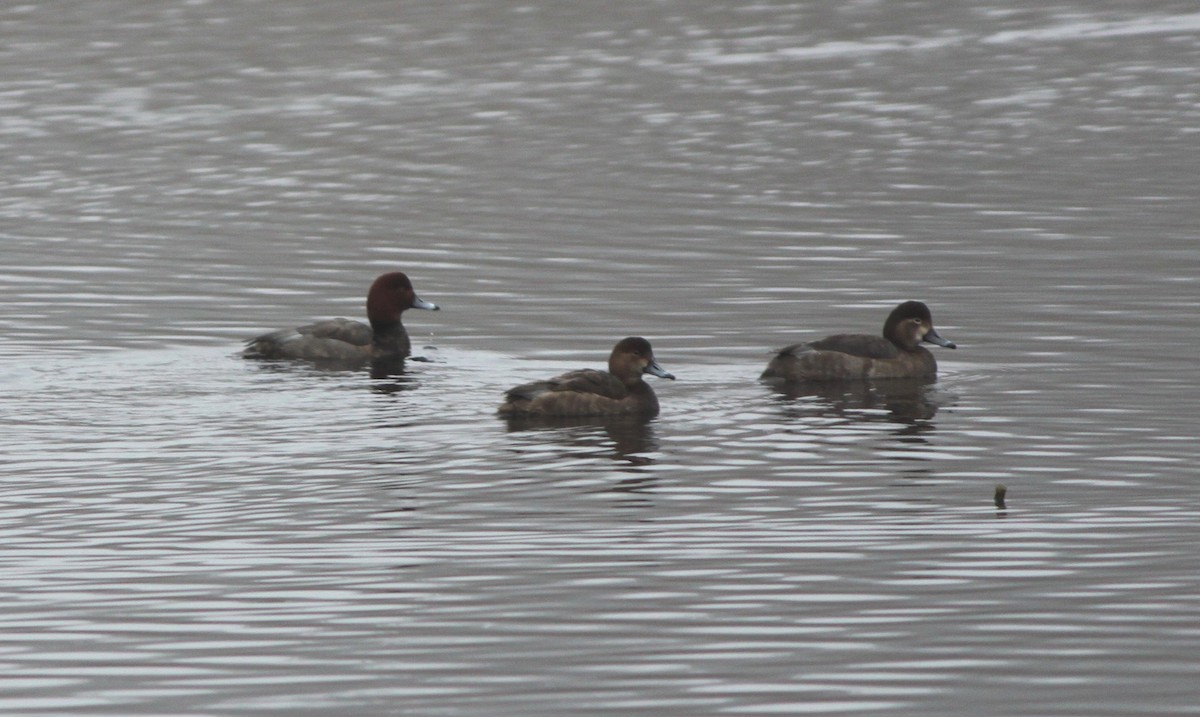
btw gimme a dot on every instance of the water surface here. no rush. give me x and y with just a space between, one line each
187 532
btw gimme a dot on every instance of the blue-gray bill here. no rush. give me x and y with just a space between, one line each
934 337
654 369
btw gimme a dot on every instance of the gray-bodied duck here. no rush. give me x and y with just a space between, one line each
342 341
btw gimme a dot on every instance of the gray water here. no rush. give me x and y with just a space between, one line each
186 532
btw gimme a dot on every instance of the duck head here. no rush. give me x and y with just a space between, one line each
911 323
631 358
391 295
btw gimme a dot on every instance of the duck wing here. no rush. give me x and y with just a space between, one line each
590 380
587 380
862 345
352 332
332 340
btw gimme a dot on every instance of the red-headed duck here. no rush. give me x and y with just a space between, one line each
590 392
342 341
896 354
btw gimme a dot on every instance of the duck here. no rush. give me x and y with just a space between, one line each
343 341
896 354
619 391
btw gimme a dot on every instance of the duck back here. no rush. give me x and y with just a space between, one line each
845 357
340 340
862 345
586 392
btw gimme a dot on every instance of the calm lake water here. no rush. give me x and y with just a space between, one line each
186 532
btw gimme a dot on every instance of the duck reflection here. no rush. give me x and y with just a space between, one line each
387 368
905 407
387 384
624 439
908 403
379 368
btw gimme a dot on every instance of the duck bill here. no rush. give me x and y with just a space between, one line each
654 369
419 303
934 337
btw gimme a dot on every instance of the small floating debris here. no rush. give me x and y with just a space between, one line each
999 497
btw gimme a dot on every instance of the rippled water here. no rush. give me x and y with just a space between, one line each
187 532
